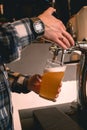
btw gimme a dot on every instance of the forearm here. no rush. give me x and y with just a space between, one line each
24 32
13 37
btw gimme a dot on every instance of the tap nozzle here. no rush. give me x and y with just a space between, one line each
62 57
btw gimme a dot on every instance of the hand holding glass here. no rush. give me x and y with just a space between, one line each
51 79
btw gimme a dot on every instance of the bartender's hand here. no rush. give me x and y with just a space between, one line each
55 30
34 84
58 92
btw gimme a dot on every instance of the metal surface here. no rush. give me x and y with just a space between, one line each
81 73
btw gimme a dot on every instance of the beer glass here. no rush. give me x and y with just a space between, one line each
51 79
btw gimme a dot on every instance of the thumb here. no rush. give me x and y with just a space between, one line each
51 10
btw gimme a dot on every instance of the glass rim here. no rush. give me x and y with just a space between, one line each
56 62
54 66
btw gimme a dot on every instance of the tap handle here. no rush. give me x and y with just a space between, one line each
54 49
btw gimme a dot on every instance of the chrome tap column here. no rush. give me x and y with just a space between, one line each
82 77
81 73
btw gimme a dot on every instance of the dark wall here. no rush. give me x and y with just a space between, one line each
28 8
76 5
63 10
24 8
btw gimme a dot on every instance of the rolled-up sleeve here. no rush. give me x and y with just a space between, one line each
13 37
18 82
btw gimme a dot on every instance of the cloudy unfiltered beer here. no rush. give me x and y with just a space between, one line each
51 80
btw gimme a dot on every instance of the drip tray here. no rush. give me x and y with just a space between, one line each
56 117
53 119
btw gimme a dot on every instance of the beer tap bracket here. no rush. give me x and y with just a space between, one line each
71 55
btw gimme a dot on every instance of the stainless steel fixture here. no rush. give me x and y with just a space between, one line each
76 54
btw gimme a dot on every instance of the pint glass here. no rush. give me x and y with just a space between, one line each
51 79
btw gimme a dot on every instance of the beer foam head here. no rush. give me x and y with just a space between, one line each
55 69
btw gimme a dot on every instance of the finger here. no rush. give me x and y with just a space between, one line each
36 88
58 93
38 77
54 100
61 44
69 37
35 80
65 41
51 10
59 90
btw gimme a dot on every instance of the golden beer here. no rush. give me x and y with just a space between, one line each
51 80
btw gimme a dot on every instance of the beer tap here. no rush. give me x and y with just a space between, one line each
54 49
81 72
80 46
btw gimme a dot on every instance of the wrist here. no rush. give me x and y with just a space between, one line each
37 27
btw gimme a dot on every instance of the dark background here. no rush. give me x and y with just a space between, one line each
28 8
